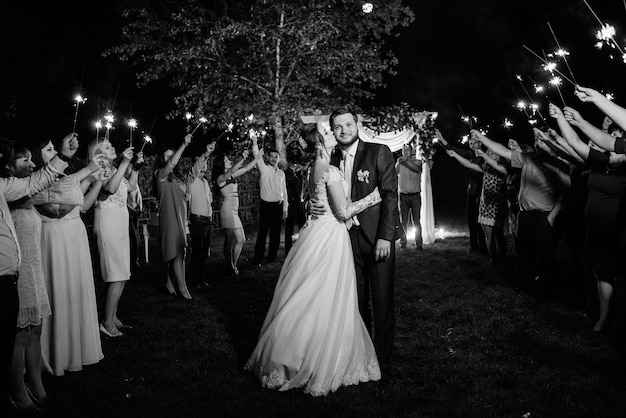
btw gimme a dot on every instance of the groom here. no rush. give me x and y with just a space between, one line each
374 231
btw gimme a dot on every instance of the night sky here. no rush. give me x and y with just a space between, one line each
457 54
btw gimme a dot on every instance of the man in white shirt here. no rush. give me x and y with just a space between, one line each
200 219
274 203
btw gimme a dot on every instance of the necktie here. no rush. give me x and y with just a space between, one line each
346 168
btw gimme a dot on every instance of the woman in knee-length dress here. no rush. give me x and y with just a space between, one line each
224 175
171 187
70 338
313 336
34 305
111 224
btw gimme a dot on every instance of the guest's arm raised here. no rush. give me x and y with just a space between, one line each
464 161
611 109
603 139
169 167
494 146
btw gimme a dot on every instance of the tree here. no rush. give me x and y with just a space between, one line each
228 59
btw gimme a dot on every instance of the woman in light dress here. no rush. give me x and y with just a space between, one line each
70 338
313 336
224 175
111 226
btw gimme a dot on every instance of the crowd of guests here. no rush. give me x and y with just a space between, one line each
566 183
563 186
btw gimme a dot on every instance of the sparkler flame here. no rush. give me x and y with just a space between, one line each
561 52
550 66
188 116
538 89
109 117
606 33
519 77
230 126
610 96
97 124
203 119
148 140
521 105
532 121
507 123
251 117
556 81
132 123
464 139
80 99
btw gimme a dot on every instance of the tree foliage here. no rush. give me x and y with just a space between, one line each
276 60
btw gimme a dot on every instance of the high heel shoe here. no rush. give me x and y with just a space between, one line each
184 293
31 409
108 333
169 288
40 403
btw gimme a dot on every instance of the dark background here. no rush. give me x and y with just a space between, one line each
457 54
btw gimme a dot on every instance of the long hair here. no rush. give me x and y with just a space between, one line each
312 138
35 145
8 156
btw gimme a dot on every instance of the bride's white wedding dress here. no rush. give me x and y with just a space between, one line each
313 335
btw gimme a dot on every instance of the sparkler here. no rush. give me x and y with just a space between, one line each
98 125
549 66
188 116
556 81
109 118
200 122
562 53
78 99
132 124
533 106
606 33
146 140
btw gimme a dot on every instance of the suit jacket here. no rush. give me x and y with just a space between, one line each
374 166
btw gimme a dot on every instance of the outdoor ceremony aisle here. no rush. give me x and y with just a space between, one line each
484 350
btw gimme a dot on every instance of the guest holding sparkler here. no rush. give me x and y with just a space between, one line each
200 218
171 187
604 215
25 301
70 338
224 174
540 200
492 209
409 170
474 187
111 228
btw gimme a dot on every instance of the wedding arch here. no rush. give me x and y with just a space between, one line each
417 129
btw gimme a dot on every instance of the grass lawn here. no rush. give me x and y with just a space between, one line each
484 349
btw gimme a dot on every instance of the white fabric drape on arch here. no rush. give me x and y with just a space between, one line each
395 141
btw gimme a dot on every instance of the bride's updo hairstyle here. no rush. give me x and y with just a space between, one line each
310 142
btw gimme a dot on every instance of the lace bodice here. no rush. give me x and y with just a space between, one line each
331 175
117 199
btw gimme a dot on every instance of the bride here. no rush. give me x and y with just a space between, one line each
313 335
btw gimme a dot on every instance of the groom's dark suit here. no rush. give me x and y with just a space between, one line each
374 166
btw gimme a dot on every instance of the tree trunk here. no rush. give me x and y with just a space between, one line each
279 139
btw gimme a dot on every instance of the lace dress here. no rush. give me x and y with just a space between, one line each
313 335
111 229
31 288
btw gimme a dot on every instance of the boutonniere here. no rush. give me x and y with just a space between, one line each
363 176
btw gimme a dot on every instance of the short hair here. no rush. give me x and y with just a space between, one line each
342 111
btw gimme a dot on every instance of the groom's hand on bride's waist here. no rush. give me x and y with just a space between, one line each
316 209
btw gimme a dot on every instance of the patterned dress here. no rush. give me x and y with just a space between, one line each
493 205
